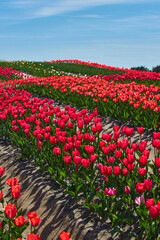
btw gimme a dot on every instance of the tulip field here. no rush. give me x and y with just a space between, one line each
111 174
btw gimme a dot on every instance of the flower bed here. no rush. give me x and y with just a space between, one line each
127 102
115 178
7 74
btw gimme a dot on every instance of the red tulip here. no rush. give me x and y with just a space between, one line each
156 135
12 182
105 151
67 160
15 190
117 154
1 196
127 190
2 171
19 222
112 147
107 171
148 184
108 138
130 159
99 127
149 203
140 130
116 171
80 124
129 132
64 236
85 163
157 162
111 192
140 188
70 125
10 211
35 221
141 171
154 211
57 151
93 158
33 237
142 147
102 144
125 172
134 146
110 160
31 215
77 160
143 161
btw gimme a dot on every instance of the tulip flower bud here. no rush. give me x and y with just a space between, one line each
127 190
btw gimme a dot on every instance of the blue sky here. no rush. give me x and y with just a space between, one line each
120 33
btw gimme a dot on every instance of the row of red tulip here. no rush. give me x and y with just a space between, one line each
121 101
96 88
128 73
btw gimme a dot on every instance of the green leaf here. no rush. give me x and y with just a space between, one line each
79 188
100 195
62 174
133 234
88 179
62 183
73 194
50 170
129 221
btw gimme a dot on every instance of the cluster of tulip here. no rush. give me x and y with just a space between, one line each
12 223
127 102
8 74
113 175
11 216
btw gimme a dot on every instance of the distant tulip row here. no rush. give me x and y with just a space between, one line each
127 102
111 173
9 73
128 74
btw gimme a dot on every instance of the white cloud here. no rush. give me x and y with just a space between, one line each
63 6
41 8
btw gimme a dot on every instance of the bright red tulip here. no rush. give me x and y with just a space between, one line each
10 211
2 171
33 237
15 190
125 172
12 182
64 236
19 222
116 171
142 172
35 221
149 203
148 184
140 188
154 211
